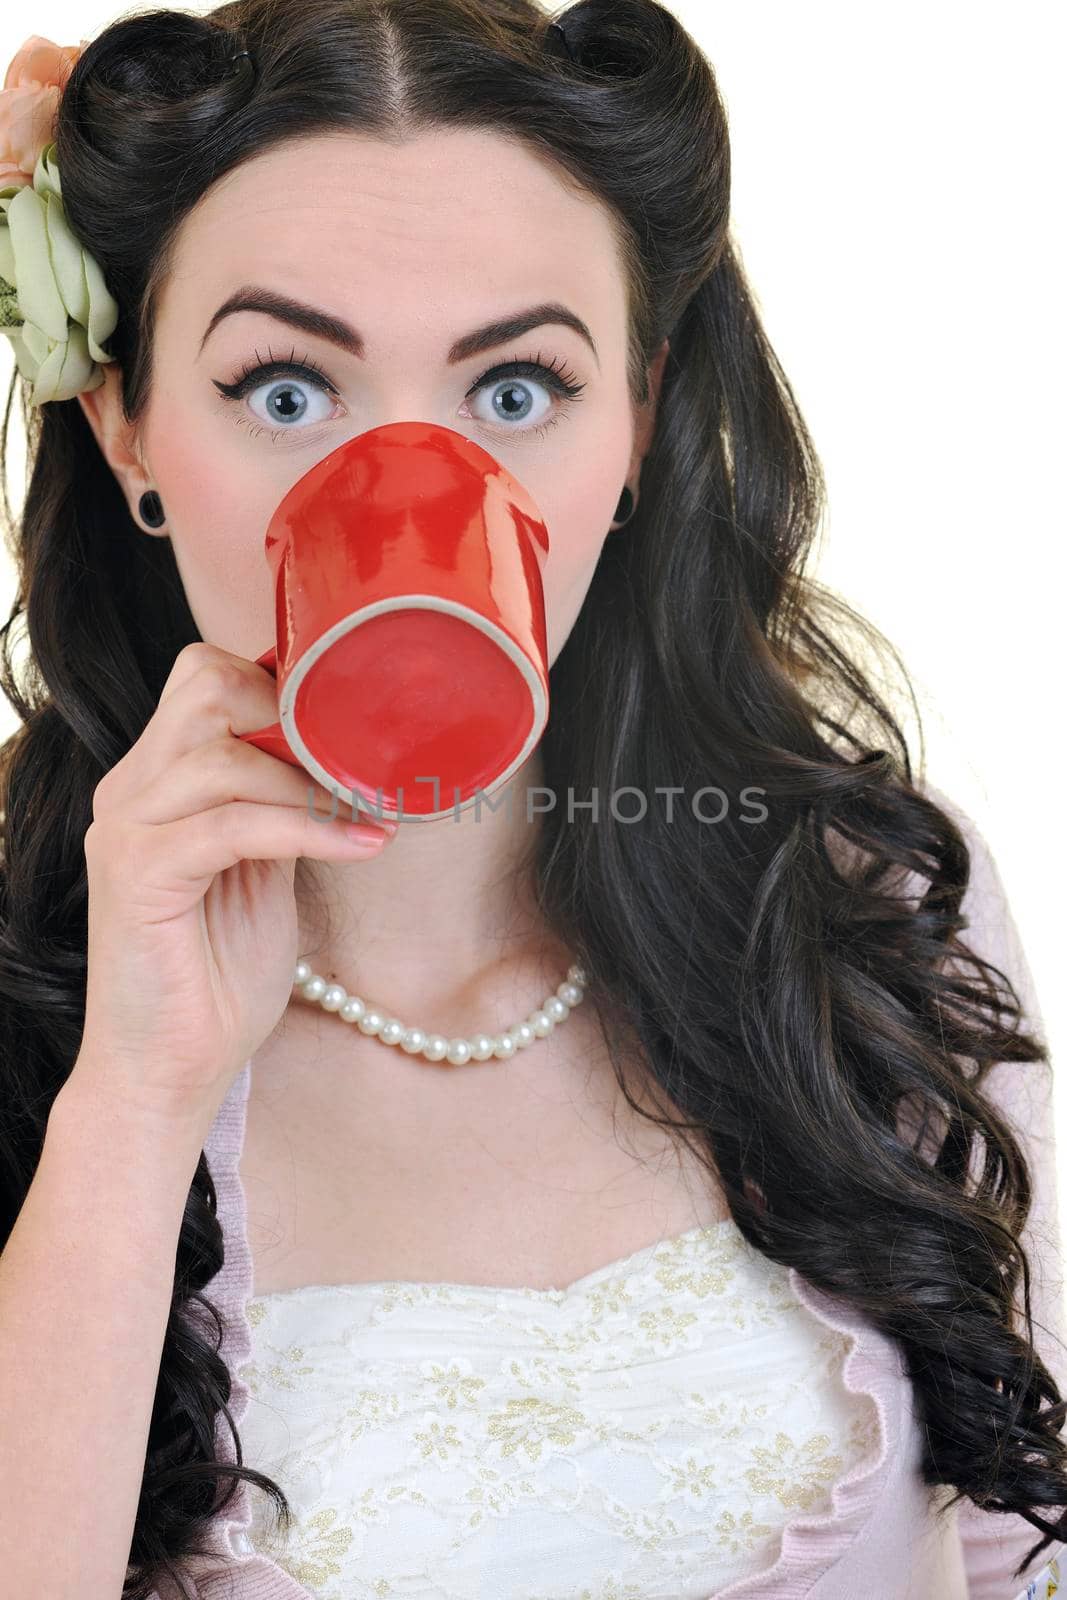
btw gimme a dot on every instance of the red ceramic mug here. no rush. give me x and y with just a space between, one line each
410 623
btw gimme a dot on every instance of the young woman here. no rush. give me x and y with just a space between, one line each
738 1276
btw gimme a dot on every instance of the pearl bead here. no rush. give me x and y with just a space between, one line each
554 1009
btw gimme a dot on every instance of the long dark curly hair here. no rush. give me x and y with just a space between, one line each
786 999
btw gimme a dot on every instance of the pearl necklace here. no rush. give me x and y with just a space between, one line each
377 1024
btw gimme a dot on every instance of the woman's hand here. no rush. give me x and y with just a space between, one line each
191 856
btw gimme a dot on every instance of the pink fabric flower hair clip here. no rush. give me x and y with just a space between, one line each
29 100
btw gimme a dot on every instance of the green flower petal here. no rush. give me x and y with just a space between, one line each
36 344
66 257
76 368
46 172
39 299
26 363
48 375
103 308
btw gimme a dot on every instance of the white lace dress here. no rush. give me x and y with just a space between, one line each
643 1434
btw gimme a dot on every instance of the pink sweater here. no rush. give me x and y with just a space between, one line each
880 1540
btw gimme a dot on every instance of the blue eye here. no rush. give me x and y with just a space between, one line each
287 408
290 375
555 378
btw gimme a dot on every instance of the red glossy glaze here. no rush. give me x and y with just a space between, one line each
410 622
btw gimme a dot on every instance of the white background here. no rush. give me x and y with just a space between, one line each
898 199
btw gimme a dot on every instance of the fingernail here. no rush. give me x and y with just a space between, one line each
365 833
379 822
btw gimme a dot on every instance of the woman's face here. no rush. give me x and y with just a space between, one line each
413 246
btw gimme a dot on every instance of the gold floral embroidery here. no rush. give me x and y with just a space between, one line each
666 1326
726 1419
324 1546
537 1372
436 1440
464 1407
495 1494
694 1478
372 1409
795 1474
531 1423
455 1383
644 1530
741 1533
284 1372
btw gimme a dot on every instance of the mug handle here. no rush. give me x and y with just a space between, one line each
271 739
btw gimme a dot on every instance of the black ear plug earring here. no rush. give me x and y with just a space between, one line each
151 508
625 509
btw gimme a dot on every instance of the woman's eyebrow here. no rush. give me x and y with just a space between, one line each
324 325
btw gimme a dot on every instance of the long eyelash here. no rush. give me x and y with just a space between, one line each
271 366
555 373
563 380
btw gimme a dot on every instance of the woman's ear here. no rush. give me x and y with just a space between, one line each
116 438
646 422
643 431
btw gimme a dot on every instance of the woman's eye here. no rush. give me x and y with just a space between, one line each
283 395
512 404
